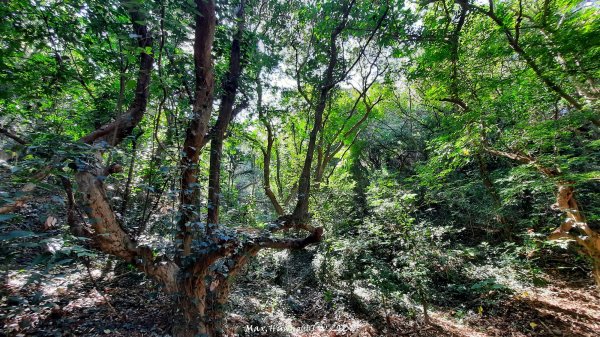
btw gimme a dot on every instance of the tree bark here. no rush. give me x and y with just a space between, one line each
300 213
198 285
113 133
198 126
566 203
230 87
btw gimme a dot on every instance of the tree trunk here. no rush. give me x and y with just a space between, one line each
190 308
329 81
230 87
202 295
198 126
267 175
268 151
565 202
214 179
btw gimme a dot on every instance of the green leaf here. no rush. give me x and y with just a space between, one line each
130 84
16 235
6 217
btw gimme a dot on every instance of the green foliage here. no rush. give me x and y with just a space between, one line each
430 173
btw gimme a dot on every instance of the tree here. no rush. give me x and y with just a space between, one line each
210 254
363 118
488 108
200 287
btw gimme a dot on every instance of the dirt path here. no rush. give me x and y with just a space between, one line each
555 310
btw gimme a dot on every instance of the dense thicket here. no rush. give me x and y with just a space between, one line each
410 141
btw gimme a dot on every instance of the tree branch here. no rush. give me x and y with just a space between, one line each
198 126
113 133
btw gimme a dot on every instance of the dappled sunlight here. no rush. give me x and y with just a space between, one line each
577 309
451 326
51 284
91 299
546 311
48 296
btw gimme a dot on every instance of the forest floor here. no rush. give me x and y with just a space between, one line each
124 303
71 300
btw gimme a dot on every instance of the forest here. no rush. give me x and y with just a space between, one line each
299 168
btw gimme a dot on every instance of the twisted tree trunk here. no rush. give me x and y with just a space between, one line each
566 203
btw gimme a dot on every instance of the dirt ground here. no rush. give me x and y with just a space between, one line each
74 300
124 303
